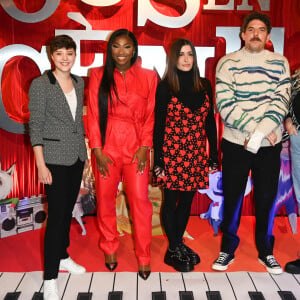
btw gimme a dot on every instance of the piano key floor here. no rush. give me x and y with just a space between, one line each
159 286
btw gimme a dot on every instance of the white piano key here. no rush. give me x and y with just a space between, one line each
146 287
62 281
195 282
172 283
31 283
241 284
218 281
102 284
287 282
9 283
265 284
126 282
76 284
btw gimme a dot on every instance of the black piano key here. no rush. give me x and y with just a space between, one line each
159 296
286 295
12 296
37 296
256 296
187 295
117 295
84 296
213 295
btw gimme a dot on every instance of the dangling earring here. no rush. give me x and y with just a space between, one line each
133 53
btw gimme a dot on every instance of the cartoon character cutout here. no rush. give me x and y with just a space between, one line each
285 193
215 193
6 185
6 181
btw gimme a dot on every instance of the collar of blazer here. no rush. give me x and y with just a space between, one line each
52 78
53 81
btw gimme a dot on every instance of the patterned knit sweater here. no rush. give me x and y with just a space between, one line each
252 94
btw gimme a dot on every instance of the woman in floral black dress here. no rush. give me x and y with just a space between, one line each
184 117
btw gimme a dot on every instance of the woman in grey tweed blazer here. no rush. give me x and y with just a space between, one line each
57 138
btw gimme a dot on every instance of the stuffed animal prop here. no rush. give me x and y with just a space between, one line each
215 193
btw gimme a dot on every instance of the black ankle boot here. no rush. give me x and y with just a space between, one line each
194 257
293 267
178 260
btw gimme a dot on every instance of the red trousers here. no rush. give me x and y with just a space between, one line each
136 188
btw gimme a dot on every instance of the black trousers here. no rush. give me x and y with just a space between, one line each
265 168
175 214
62 196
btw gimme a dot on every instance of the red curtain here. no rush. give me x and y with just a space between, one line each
19 72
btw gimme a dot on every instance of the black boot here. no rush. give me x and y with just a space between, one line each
293 267
194 257
179 261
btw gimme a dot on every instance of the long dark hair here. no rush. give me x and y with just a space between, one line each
171 72
108 85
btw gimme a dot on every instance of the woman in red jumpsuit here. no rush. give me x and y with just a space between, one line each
120 120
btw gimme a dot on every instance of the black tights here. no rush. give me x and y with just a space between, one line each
175 214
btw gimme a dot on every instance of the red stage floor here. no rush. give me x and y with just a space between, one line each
23 252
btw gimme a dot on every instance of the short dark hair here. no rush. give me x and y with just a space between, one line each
256 15
62 41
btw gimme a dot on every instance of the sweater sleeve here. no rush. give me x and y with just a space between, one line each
233 115
161 103
210 126
278 107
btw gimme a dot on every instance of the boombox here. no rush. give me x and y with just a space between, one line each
29 214
8 220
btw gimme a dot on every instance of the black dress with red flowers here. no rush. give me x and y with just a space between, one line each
182 124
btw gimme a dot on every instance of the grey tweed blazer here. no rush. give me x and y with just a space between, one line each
51 122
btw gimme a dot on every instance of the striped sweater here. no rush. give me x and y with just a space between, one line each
252 94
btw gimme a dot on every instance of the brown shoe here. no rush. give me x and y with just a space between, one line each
111 261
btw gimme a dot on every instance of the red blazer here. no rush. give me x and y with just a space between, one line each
130 121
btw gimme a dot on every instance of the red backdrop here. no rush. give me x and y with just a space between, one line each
19 71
